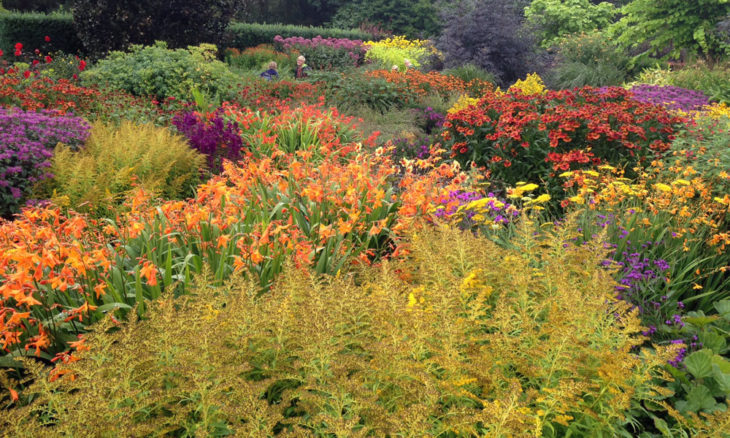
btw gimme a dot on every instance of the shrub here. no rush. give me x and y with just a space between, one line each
27 140
488 34
257 58
31 28
244 35
549 350
395 50
589 59
212 136
469 73
325 53
162 72
100 175
534 137
556 19
669 27
422 85
416 19
712 81
356 90
104 26
34 5
42 92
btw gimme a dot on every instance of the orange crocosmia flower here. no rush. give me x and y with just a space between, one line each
27 300
38 342
377 227
149 272
256 257
99 289
17 318
325 232
223 240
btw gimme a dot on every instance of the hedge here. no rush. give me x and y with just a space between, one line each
30 29
243 35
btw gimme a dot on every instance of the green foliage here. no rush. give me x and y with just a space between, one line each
30 29
98 177
34 5
668 27
356 90
106 25
257 59
485 342
556 19
705 379
714 81
588 59
244 35
469 72
415 19
161 72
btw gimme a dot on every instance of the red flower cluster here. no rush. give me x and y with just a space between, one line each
43 93
531 137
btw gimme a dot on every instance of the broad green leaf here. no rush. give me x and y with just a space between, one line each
699 363
714 341
699 399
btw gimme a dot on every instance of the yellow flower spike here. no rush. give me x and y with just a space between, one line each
566 174
663 187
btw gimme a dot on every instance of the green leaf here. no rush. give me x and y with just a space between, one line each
723 308
714 341
661 426
113 306
699 363
700 399
700 321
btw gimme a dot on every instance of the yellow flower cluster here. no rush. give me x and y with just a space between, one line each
717 111
463 102
401 42
519 192
396 50
533 84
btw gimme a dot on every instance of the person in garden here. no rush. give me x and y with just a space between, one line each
394 69
302 69
407 63
271 73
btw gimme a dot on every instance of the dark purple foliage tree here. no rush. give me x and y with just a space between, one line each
489 34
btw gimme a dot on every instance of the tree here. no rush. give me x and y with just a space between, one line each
33 5
668 27
415 19
105 25
490 35
556 19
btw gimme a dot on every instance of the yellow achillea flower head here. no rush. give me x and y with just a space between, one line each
532 84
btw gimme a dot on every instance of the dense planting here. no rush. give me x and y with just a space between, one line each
380 248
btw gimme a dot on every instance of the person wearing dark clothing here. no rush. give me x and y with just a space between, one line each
271 73
302 70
